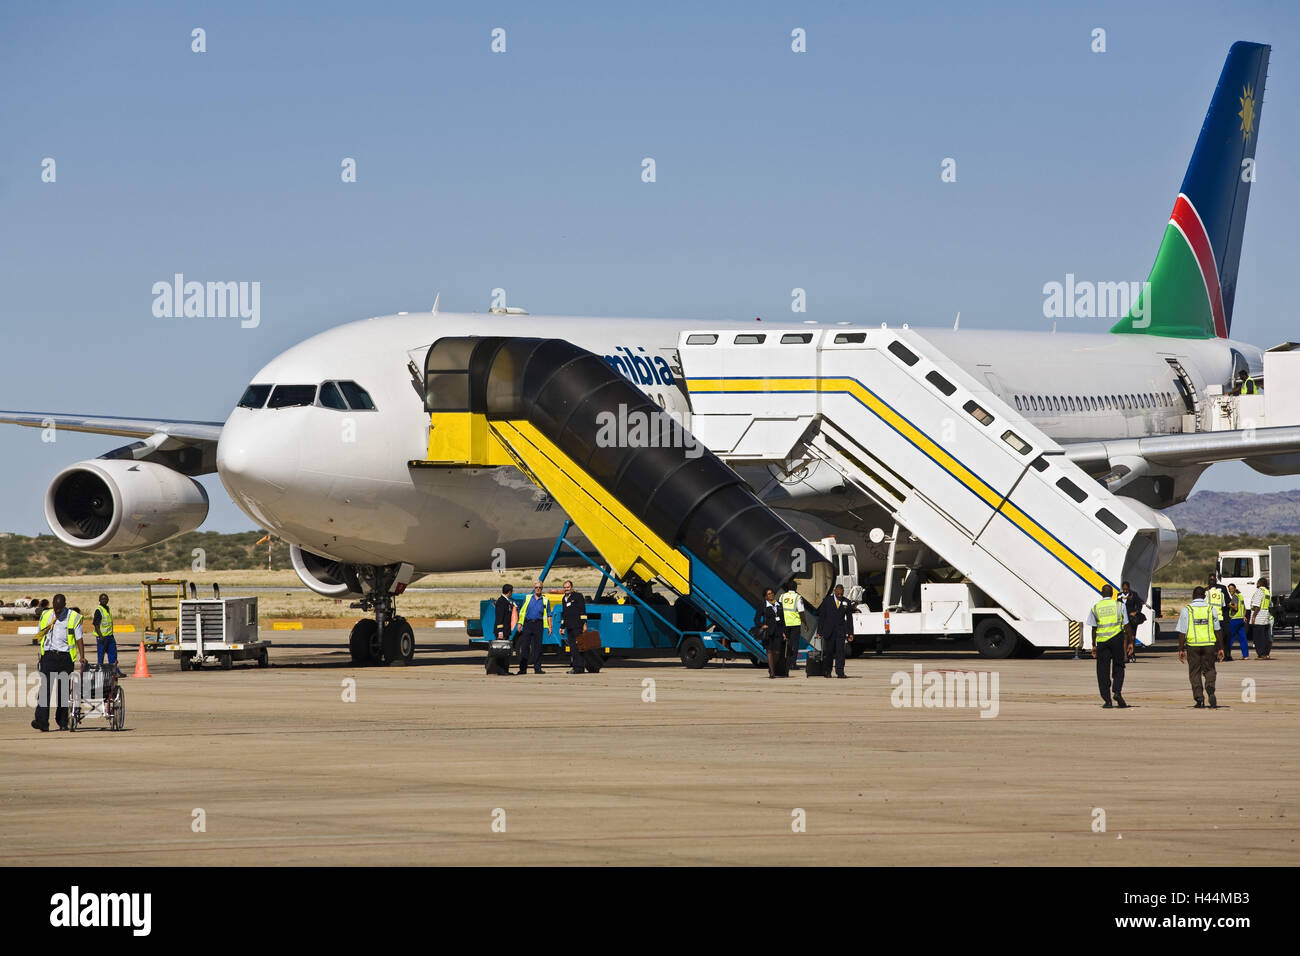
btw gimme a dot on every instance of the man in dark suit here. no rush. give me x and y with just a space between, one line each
503 615
771 630
573 618
835 626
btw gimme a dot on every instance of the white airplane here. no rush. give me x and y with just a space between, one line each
318 449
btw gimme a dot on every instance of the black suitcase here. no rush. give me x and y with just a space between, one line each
592 660
814 664
498 657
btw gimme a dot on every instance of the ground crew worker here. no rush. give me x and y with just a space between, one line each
1109 622
835 626
1236 623
59 635
105 643
1133 608
535 614
1200 631
573 619
1261 622
792 612
769 622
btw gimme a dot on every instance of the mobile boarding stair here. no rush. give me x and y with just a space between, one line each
942 455
659 509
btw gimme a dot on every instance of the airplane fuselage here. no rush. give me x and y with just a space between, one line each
336 482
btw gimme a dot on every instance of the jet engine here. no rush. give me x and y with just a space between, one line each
328 577
115 506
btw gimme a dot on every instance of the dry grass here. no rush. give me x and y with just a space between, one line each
294 602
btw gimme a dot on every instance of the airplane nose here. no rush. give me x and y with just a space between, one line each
257 457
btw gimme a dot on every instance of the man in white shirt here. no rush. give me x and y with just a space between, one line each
59 637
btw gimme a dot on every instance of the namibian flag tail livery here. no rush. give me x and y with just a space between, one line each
1192 285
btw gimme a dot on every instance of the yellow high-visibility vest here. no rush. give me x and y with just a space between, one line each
1109 623
1214 597
1263 605
790 607
1200 625
105 622
1239 609
47 620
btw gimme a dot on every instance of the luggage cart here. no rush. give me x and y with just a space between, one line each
219 631
97 693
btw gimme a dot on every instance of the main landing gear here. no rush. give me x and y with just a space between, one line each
386 638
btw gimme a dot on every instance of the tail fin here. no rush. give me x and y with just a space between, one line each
1194 280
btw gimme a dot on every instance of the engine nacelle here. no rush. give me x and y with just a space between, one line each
118 505
328 577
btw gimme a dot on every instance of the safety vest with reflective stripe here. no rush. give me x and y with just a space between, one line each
47 620
105 622
1263 606
1109 623
1200 625
1214 597
790 607
1248 387
1239 609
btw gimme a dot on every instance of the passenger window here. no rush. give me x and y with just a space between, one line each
358 398
330 397
941 383
254 396
292 396
1018 408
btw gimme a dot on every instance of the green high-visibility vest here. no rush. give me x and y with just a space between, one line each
1239 609
105 622
790 607
1107 613
47 620
1200 625
1214 597
1263 605
1248 387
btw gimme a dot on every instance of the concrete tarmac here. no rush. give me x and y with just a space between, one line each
280 768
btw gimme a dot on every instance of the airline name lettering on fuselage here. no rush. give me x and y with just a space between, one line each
640 369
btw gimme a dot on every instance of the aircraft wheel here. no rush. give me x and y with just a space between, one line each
399 643
363 644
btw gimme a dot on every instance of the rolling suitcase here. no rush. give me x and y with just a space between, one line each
498 657
814 664
588 643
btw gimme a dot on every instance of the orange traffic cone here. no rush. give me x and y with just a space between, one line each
141 665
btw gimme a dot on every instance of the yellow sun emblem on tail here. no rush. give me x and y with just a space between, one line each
1247 113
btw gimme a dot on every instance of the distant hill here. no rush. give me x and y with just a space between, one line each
45 555
1238 513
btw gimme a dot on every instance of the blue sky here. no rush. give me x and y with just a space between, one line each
522 170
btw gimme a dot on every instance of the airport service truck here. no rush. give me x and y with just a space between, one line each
912 605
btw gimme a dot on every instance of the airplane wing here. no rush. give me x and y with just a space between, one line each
185 432
1271 451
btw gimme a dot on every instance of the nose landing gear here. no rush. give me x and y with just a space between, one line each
386 638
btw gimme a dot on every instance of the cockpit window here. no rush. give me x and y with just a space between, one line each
357 396
330 397
255 396
286 396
